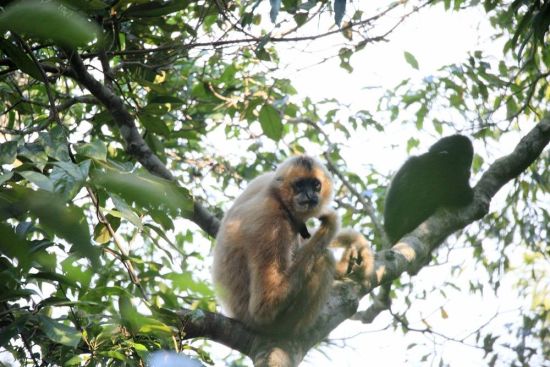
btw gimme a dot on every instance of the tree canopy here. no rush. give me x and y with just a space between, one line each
114 174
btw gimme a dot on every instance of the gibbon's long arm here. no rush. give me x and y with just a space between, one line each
276 281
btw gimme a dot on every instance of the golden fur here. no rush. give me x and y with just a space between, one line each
264 273
357 258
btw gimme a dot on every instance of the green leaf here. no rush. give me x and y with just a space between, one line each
184 281
43 182
511 107
35 153
48 21
167 99
411 60
78 360
20 59
270 119
95 150
101 232
14 246
153 9
60 333
55 143
154 124
5 177
46 275
124 211
68 178
17 294
65 221
8 152
147 191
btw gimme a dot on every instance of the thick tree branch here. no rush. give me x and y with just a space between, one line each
135 144
216 327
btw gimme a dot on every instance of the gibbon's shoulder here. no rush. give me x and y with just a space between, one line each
255 202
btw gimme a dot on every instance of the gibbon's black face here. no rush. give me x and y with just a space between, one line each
306 194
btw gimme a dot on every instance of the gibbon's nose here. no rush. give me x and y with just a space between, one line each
312 201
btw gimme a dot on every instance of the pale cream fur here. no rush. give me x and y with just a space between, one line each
264 274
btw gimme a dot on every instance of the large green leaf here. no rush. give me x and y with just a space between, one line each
95 150
48 20
64 220
60 333
68 178
147 191
43 182
13 245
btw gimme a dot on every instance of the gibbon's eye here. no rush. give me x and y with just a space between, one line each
298 185
316 185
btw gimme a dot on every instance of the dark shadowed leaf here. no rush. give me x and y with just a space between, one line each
8 152
14 246
275 7
48 21
5 177
339 11
20 59
167 99
43 182
68 178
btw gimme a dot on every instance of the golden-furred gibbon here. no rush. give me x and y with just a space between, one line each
268 271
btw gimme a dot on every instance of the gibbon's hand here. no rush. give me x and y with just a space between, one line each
330 224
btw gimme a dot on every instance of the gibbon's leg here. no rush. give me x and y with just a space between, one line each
274 290
304 308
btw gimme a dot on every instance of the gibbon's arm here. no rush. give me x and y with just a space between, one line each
276 281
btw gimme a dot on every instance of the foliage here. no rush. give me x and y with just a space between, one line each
97 245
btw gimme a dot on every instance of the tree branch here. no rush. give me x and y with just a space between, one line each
135 145
216 327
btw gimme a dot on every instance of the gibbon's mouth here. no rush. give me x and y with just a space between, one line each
307 204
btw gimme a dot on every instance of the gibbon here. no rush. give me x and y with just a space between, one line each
427 182
266 274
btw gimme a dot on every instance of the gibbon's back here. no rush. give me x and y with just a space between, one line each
240 224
